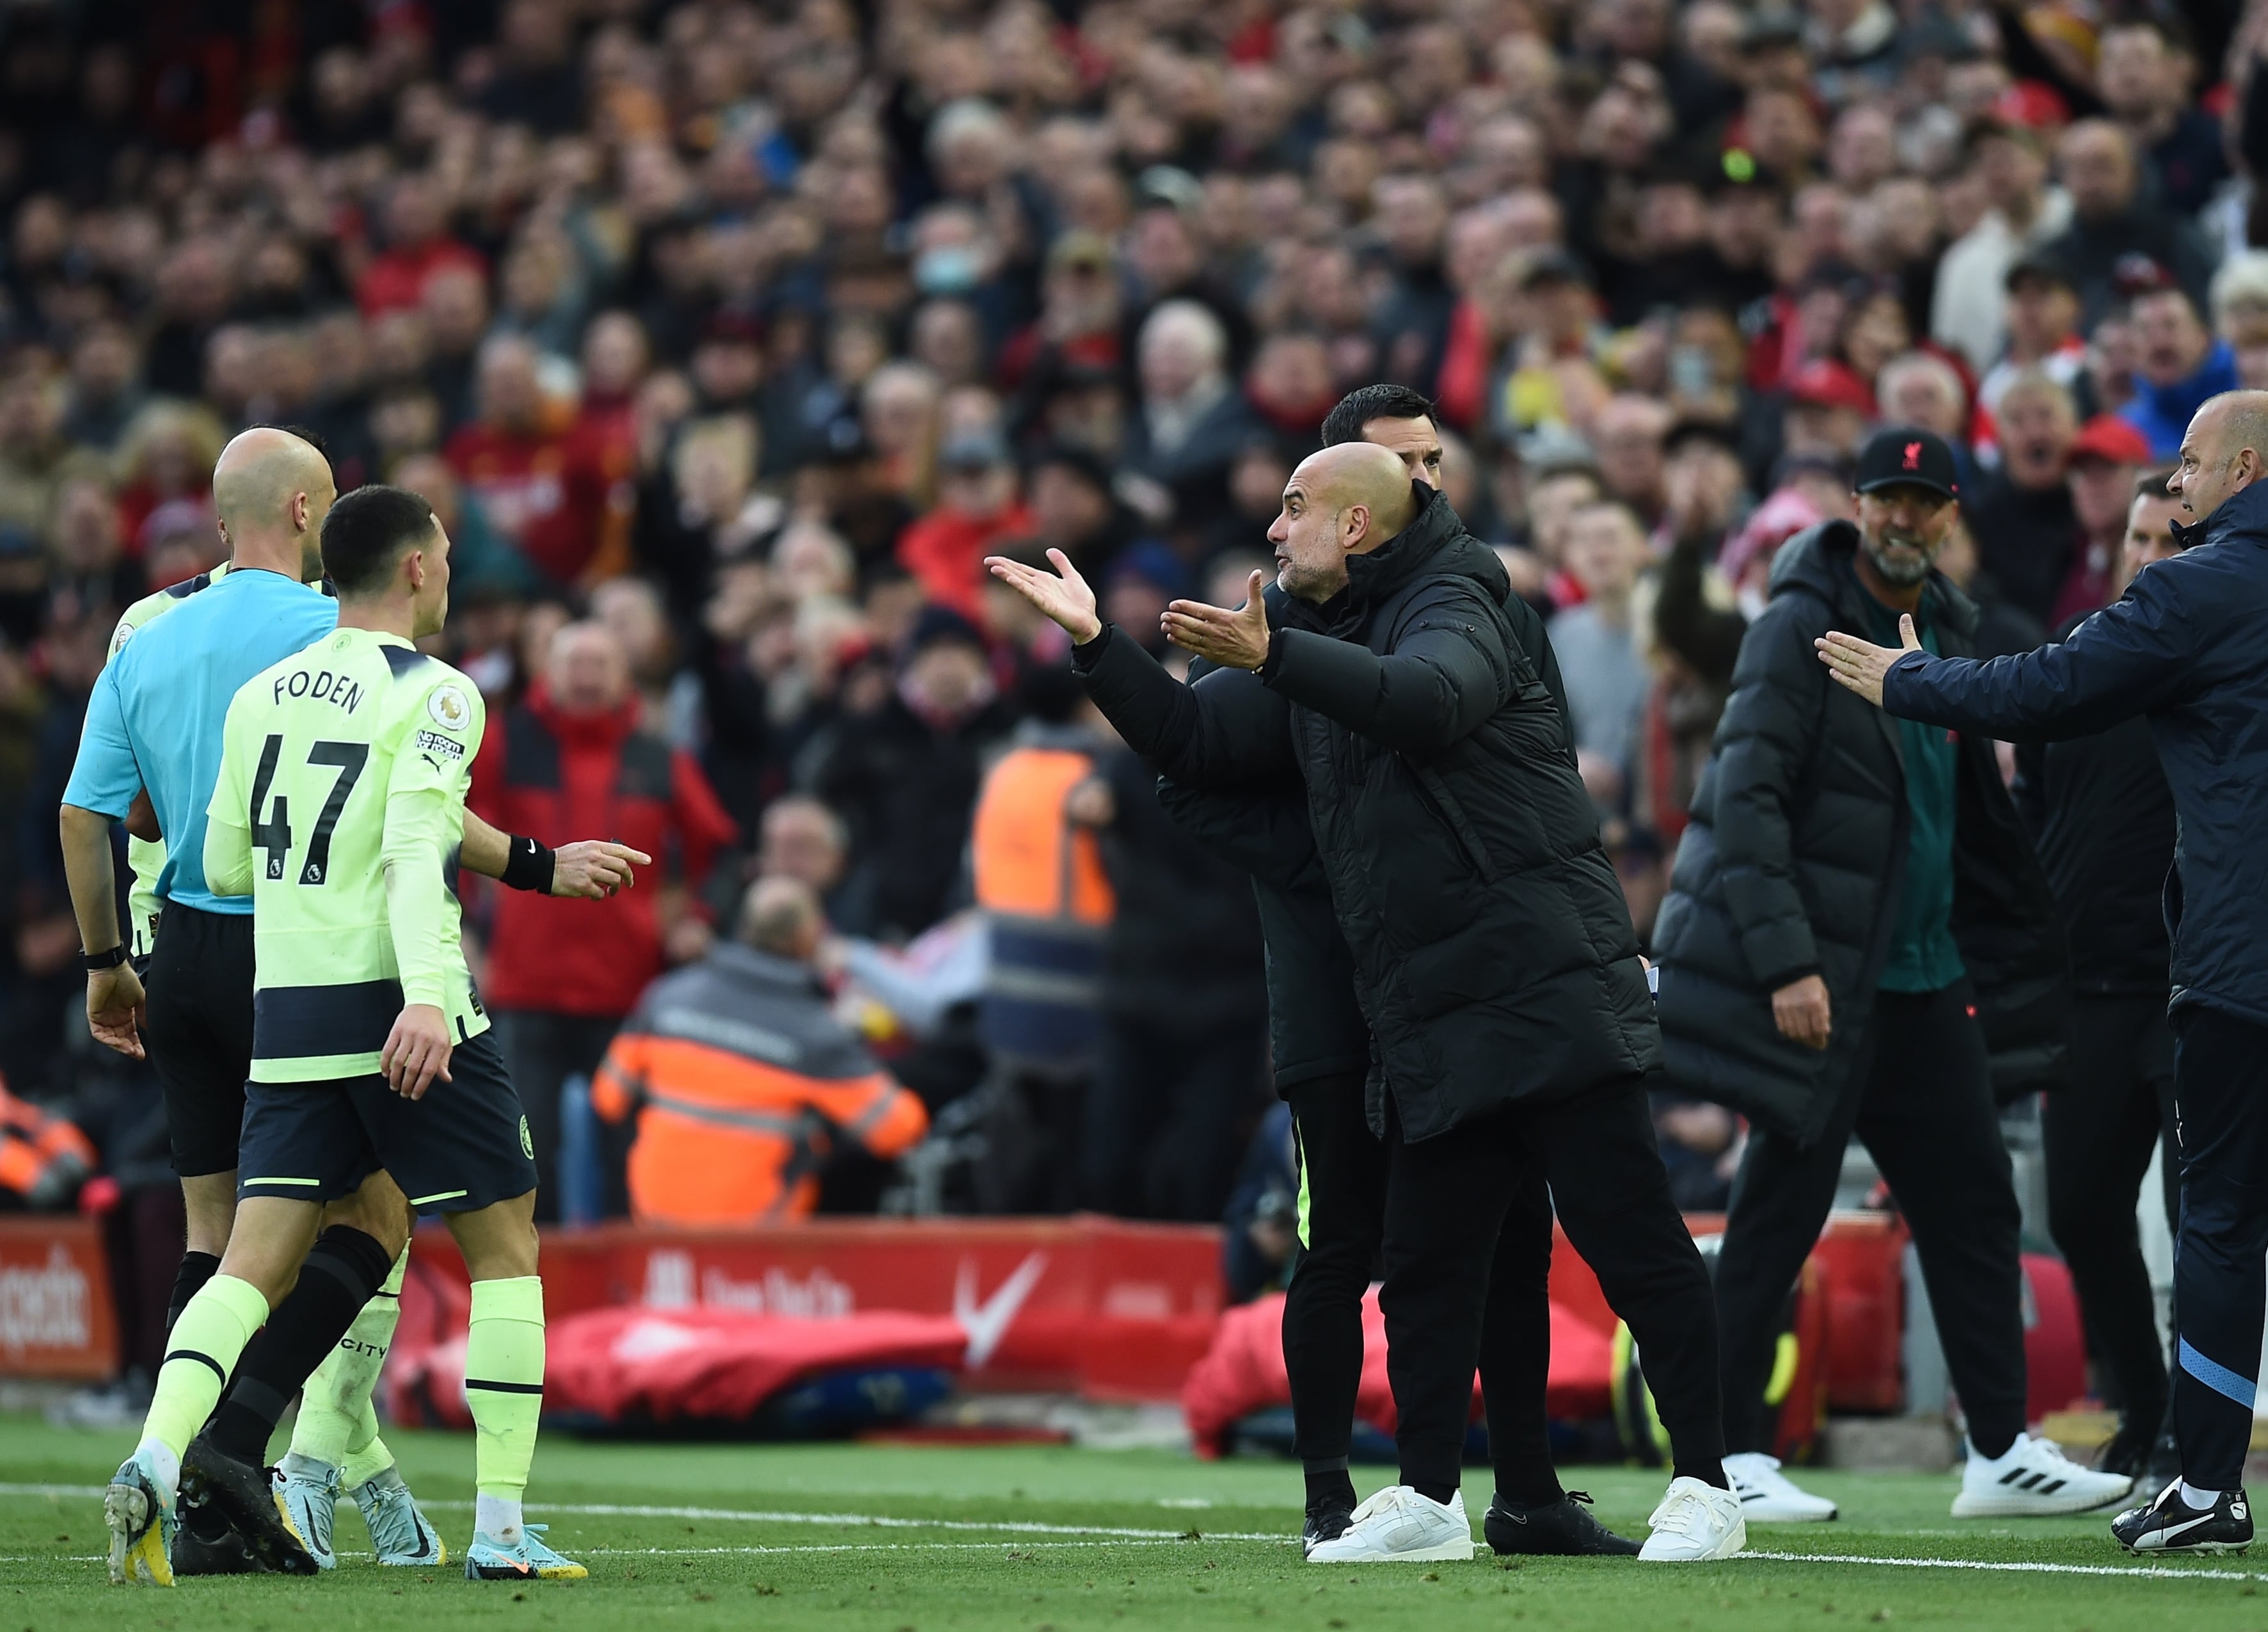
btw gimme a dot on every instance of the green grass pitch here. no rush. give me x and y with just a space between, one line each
869 1538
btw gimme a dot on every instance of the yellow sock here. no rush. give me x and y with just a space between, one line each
206 1343
336 1396
504 1385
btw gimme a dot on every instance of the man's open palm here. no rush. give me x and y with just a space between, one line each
1860 666
1238 639
1061 595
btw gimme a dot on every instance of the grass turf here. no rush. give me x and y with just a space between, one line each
870 1538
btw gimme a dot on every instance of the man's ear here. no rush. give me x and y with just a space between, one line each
1354 525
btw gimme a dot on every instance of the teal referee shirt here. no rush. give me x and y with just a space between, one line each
154 720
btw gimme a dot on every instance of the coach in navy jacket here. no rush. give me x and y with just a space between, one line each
2188 648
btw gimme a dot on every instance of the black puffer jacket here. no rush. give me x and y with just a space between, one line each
1260 825
1493 951
1795 854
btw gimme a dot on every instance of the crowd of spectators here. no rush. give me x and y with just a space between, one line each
726 338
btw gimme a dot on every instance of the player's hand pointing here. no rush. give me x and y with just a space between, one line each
593 869
416 1051
115 1009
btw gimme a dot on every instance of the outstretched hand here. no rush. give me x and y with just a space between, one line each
593 869
1061 596
1236 640
1859 667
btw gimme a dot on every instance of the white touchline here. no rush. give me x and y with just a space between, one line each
2154 1572
1026 1527
615 1509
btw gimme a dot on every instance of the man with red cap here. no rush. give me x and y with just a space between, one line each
2099 469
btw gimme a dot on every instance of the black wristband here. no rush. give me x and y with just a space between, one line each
528 865
95 962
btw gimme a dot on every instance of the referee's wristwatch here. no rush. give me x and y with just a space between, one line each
94 963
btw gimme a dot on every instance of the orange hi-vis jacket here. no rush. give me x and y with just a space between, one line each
1046 898
42 1158
742 1081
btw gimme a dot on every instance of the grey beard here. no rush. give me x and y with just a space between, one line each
1893 571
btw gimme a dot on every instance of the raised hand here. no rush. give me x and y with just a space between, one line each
1859 666
1236 640
1062 596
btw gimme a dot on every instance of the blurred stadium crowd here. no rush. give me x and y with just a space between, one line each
726 338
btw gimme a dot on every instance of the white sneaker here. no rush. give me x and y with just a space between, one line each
1694 1522
1771 1496
1401 1526
2032 1478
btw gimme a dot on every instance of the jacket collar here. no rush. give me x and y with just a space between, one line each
2238 515
599 731
2176 403
744 962
1820 558
1373 576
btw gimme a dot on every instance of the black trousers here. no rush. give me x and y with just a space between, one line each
2100 1128
541 1051
2221 1091
1920 1095
1169 1114
1343 1173
1446 1203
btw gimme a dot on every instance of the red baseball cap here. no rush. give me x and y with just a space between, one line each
2111 440
1822 383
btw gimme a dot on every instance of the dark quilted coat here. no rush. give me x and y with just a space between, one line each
1795 854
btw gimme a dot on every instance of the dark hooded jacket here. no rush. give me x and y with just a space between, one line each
1493 956
1795 854
1261 825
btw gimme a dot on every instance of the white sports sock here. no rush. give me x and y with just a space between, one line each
164 1464
2199 1498
496 1518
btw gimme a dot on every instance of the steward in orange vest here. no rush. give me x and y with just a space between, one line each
742 1080
1047 902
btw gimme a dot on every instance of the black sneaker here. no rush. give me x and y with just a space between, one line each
206 1544
243 1495
2171 1524
1564 1528
2129 1449
1326 1521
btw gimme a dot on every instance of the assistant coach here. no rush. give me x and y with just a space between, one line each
2187 648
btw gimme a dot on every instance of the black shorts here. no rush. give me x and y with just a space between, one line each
198 1031
464 1146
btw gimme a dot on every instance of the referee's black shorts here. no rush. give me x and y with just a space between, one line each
198 1031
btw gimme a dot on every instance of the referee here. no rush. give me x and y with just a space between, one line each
2186 649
